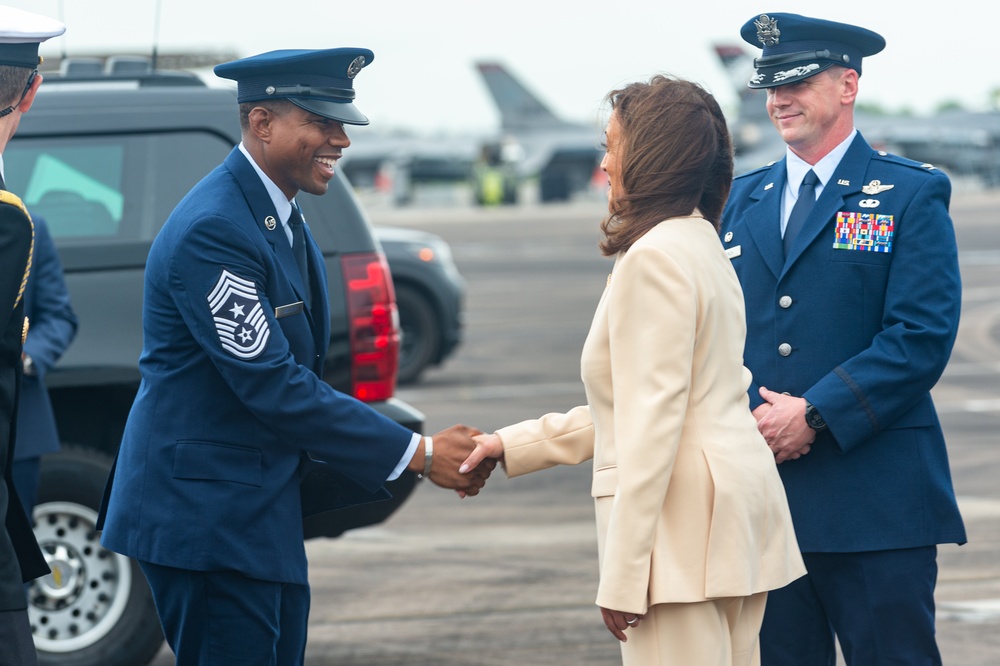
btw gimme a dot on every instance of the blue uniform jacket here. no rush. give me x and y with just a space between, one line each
53 327
231 400
860 320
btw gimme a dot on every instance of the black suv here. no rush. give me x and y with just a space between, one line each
430 295
104 162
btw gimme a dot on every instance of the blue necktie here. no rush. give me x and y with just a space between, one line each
299 249
800 211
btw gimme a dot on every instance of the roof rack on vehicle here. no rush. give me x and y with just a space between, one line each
133 68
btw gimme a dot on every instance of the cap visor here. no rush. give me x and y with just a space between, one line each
772 77
344 112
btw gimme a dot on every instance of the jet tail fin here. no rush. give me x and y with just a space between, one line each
519 108
739 67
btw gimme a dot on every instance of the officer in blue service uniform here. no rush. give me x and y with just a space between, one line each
53 327
232 409
20 558
849 266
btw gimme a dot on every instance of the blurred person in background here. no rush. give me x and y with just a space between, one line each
53 326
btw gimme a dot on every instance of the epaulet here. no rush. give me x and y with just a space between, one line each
885 156
12 199
752 172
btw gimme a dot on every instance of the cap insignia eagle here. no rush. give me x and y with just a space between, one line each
356 66
767 30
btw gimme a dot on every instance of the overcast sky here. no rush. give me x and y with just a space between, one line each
570 53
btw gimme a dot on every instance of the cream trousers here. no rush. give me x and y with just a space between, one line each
720 632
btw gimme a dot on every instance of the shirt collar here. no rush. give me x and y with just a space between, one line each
282 206
797 167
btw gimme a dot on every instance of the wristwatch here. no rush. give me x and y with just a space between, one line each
813 419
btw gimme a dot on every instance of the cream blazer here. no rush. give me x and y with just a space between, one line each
688 500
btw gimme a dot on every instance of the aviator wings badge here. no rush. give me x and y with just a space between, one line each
876 187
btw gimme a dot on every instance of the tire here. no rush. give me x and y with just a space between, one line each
95 608
420 332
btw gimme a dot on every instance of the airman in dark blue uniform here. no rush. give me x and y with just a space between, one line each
53 326
232 408
849 267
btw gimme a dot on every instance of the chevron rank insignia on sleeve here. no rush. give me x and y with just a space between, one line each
239 317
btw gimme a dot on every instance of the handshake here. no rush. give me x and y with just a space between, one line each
462 459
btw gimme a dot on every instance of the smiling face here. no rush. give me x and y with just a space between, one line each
612 162
299 149
815 114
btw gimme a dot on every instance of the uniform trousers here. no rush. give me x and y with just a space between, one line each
17 648
719 632
212 618
879 604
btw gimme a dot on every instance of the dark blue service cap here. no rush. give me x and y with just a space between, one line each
319 81
797 47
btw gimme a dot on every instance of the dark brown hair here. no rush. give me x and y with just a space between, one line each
278 107
12 84
675 154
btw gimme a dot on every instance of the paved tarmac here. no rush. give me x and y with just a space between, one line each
509 578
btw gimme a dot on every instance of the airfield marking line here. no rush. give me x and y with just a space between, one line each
977 406
979 610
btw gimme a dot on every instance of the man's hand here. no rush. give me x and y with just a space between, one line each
784 425
761 411
451 447
617 622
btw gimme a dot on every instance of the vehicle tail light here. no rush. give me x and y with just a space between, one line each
374 326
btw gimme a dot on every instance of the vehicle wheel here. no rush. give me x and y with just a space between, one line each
420 333
95 608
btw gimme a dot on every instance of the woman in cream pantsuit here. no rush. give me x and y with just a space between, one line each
693 526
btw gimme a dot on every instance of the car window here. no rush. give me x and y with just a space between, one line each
77 189
109 187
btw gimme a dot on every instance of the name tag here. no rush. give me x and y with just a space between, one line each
288 310
735 251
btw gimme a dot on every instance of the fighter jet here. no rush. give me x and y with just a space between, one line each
563 155
396 162
531 143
